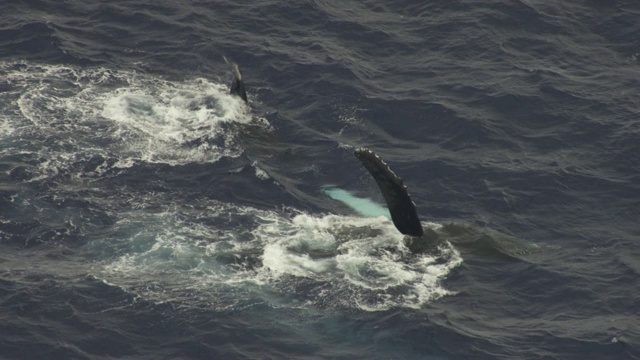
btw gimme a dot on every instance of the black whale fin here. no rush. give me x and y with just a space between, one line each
237 86
403 210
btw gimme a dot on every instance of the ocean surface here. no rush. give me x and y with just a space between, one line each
146 213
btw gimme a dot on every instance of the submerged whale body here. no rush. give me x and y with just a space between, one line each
237 86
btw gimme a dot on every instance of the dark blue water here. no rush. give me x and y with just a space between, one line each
147 214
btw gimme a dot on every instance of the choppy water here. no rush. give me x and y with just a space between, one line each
146 213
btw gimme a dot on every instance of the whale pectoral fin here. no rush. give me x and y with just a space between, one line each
237 86
402 209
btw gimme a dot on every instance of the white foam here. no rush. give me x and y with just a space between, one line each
177 123
134 117
6 128
364 255
260 174
329 260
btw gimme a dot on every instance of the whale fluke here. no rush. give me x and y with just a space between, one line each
402 209
237 86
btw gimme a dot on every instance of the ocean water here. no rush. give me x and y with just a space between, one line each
145 213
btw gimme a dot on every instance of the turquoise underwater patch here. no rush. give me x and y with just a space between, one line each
363 206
